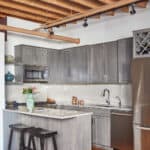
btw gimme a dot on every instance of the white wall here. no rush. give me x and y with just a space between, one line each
2 96
92 94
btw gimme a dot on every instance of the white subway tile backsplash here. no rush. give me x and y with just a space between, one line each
92 94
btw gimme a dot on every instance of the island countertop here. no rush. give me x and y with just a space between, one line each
50 113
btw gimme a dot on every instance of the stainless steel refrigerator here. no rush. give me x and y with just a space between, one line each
141 102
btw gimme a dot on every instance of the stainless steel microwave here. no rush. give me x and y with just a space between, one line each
35 74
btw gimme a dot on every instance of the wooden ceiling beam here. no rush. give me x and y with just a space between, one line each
66 4
43 6
125 9
106 1
142 4
92 12
110 13
40 34
2 16
87 3
18 14
28 9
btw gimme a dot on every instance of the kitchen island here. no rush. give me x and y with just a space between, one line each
73 127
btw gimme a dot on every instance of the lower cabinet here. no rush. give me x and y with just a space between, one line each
101 131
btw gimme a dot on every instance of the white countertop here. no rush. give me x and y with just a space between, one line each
50 113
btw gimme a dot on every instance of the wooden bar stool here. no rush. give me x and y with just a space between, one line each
42 134
22 129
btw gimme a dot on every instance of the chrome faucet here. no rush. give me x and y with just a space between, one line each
108 94
119 100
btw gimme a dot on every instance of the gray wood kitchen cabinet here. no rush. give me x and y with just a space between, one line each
79 59
96 65
111 62
102 131
24 54
27 55
30 55
53 66
125 55
103 63
40 56
59 66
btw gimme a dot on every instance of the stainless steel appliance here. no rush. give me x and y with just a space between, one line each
141 103
35 73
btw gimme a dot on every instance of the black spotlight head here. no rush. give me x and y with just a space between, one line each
132 11
51 32
85 24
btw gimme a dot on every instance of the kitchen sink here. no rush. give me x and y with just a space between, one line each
101 105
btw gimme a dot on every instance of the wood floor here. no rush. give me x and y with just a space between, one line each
96 148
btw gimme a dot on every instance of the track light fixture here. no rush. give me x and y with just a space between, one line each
51 32
85 24
132 11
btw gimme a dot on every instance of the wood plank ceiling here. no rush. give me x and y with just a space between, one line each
54 13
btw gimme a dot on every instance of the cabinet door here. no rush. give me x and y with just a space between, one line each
59 66
40 56
125 50
64 66
27 55
53 66
79 64
18 54
102 131
111 62
96 65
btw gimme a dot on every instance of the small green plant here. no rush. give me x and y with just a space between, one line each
27 91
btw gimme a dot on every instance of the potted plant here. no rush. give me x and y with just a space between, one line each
29 98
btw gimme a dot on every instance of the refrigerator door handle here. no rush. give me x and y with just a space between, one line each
143 128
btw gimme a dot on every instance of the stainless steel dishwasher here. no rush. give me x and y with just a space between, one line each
122 130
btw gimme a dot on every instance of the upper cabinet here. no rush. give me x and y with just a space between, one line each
96 64
103 63
93 64
30 55
40 56
110 62
125 51
79 58
59 66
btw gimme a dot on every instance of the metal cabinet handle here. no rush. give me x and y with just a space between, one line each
121 114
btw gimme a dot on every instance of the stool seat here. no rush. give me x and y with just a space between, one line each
22 129
43 133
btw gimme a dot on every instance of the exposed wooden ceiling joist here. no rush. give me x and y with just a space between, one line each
142 4
2 16
91 12
89 3
18 14
66 4
28 9
106 1
125 9
43 6
40 34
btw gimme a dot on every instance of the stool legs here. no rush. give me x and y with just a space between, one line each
10 139
54 143
31 139
42 143
22 144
